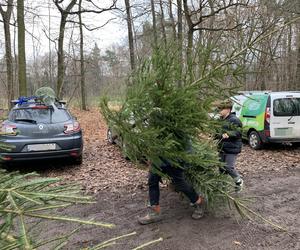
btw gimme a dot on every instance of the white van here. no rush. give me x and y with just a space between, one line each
269 117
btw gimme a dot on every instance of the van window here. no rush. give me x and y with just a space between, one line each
286 107
254 105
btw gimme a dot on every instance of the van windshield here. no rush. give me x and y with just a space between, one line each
286 107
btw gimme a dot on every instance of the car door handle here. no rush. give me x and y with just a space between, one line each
291 122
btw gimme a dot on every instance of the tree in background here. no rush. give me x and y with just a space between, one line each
6 16
82 68
130 34
21 49
64 12
217 27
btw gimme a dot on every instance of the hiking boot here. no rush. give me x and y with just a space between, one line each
199 209
152 216
239 184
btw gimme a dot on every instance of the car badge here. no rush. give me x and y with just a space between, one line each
41 127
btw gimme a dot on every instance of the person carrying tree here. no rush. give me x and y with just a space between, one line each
174 169
230 141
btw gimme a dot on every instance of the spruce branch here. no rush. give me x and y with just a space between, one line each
111 241
239 205
148 244
69 219
27 196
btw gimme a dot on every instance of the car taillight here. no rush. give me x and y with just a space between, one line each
267 115
8 129
72 127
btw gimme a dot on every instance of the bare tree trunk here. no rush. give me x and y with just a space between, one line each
6 15
82 70
21 49
49 46
60 52
162 22
172 20
297 79
154 23
261 70
180 38
289 84
190 38
60 56
130 35
15 56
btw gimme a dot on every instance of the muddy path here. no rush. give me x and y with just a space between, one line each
271 175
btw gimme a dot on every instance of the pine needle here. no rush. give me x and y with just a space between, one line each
148 244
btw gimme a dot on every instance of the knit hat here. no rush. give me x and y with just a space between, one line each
226 104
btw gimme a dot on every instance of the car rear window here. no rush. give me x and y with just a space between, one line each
286 107
46 116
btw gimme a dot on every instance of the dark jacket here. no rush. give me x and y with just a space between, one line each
233 127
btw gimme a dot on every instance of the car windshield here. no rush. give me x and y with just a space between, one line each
287 107
34 115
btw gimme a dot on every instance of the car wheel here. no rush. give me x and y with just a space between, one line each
254 140
296 144
110 137
78 160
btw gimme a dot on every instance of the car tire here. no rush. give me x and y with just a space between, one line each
78 160
254 140
295 144
110 137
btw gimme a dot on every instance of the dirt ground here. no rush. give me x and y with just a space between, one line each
271 175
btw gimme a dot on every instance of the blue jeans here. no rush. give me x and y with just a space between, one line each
177 177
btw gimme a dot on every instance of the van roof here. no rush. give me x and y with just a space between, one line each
268 92
254 92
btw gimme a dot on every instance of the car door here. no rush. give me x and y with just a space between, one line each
285 115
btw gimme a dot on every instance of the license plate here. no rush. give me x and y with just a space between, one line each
283 131
41 147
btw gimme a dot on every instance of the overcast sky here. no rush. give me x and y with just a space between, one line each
115 32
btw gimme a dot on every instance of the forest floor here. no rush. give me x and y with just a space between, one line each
120 189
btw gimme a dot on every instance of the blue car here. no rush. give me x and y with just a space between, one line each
36 131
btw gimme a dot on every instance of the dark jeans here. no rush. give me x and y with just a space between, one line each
229 168
177 177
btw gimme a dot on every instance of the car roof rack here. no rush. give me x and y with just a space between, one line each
24 99
33 100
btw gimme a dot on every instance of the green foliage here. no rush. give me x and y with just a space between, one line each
111 58
162 120
24 197
159 118
46 94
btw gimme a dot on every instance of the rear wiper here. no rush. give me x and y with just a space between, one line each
25 120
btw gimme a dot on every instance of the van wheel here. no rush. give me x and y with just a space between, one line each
254 140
